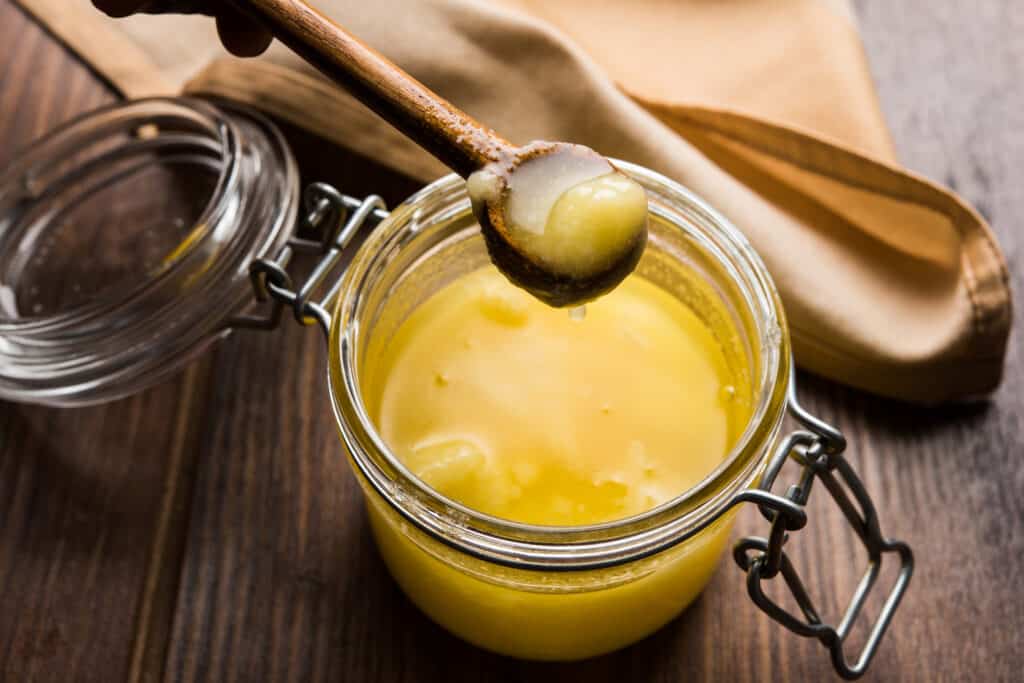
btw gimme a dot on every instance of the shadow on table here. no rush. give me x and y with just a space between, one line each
85 477
434 654
890 416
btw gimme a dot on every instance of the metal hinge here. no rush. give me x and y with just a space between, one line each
337 218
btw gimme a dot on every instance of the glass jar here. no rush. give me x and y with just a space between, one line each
566 593
529 591
542 592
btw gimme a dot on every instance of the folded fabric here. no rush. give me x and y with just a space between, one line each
766 109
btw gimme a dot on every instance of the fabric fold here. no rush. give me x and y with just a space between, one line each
891 283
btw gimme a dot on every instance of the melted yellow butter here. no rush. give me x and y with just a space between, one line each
517 410
590 226
569 211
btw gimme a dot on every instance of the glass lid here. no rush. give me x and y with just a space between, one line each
125 241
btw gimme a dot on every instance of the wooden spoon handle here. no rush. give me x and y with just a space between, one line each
451 135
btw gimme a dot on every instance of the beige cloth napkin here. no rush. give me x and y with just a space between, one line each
763 107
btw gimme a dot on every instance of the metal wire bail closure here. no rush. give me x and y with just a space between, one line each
818 449
336 218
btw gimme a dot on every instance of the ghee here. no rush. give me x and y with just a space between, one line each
517 410
570 211
590 225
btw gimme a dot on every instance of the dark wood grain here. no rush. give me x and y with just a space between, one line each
453 136
91 501
279 579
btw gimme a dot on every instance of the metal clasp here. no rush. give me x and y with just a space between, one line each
819 454
336 218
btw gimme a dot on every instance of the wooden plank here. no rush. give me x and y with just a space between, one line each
949 81
86 498
91 500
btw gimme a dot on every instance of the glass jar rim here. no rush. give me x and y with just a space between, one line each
558 547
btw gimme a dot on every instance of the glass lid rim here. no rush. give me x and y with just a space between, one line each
765 420
226 180
79 356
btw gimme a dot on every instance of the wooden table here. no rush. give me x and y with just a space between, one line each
199 531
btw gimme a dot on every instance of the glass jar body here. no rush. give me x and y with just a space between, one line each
544 616
553 593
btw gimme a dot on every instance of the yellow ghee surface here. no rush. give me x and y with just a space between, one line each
529 414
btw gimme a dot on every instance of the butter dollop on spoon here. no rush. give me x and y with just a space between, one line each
560 221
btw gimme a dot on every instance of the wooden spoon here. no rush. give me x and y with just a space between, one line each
470 148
